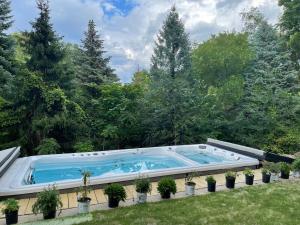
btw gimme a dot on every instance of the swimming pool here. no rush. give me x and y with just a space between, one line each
32 174
107 166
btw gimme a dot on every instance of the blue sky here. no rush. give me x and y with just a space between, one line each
129 27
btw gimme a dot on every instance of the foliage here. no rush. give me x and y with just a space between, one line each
221 57
170 81
166 185
48 146
115 191
7 65
93 67
143 185
284 167
230 174
248 172
266 170
189 178
290 24
271 86
84 190
84 146
210 179
296 165
47 201
10 205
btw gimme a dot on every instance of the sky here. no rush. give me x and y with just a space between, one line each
129 27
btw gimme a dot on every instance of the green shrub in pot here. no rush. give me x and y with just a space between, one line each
249 176
296 168
230 179
211 183
266 175
48 202
166 186
11 209
115 193
142 187
285 170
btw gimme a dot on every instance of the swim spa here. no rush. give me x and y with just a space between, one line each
32 174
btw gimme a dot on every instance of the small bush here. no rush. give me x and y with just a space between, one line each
143 185
266 171
48 146
230 174
47 201
284 167
210 179
248 172
296 165
167 184
116 191
10 205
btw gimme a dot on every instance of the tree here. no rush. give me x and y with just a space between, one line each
93 66
270 108
290 25
6 48
220 57
170 75
46 50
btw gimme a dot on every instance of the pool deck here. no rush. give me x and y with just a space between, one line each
99 200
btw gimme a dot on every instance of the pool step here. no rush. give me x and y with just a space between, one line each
7 157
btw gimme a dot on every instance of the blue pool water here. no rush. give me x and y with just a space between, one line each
202 157
45 172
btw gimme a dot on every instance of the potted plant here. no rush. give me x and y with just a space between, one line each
142 187
266 175
275 170
285 170
249 176
190 184
48 202
166 186
11 209
230 179
296 168
82 194
211 184
115 193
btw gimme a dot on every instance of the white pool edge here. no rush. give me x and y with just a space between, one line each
9 182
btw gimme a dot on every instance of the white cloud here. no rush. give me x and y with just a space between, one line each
129 38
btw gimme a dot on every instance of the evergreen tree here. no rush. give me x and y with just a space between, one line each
170 74
271 104
93 65
6 48
45 49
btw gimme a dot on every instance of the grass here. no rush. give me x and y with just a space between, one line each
64 221
271 204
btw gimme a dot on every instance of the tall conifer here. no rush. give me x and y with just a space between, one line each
93 65
6 47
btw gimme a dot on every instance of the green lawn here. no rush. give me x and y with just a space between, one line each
267 204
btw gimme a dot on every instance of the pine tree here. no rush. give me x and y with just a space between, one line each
45 47
172 49
271 102
6 47
170 74
93 65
